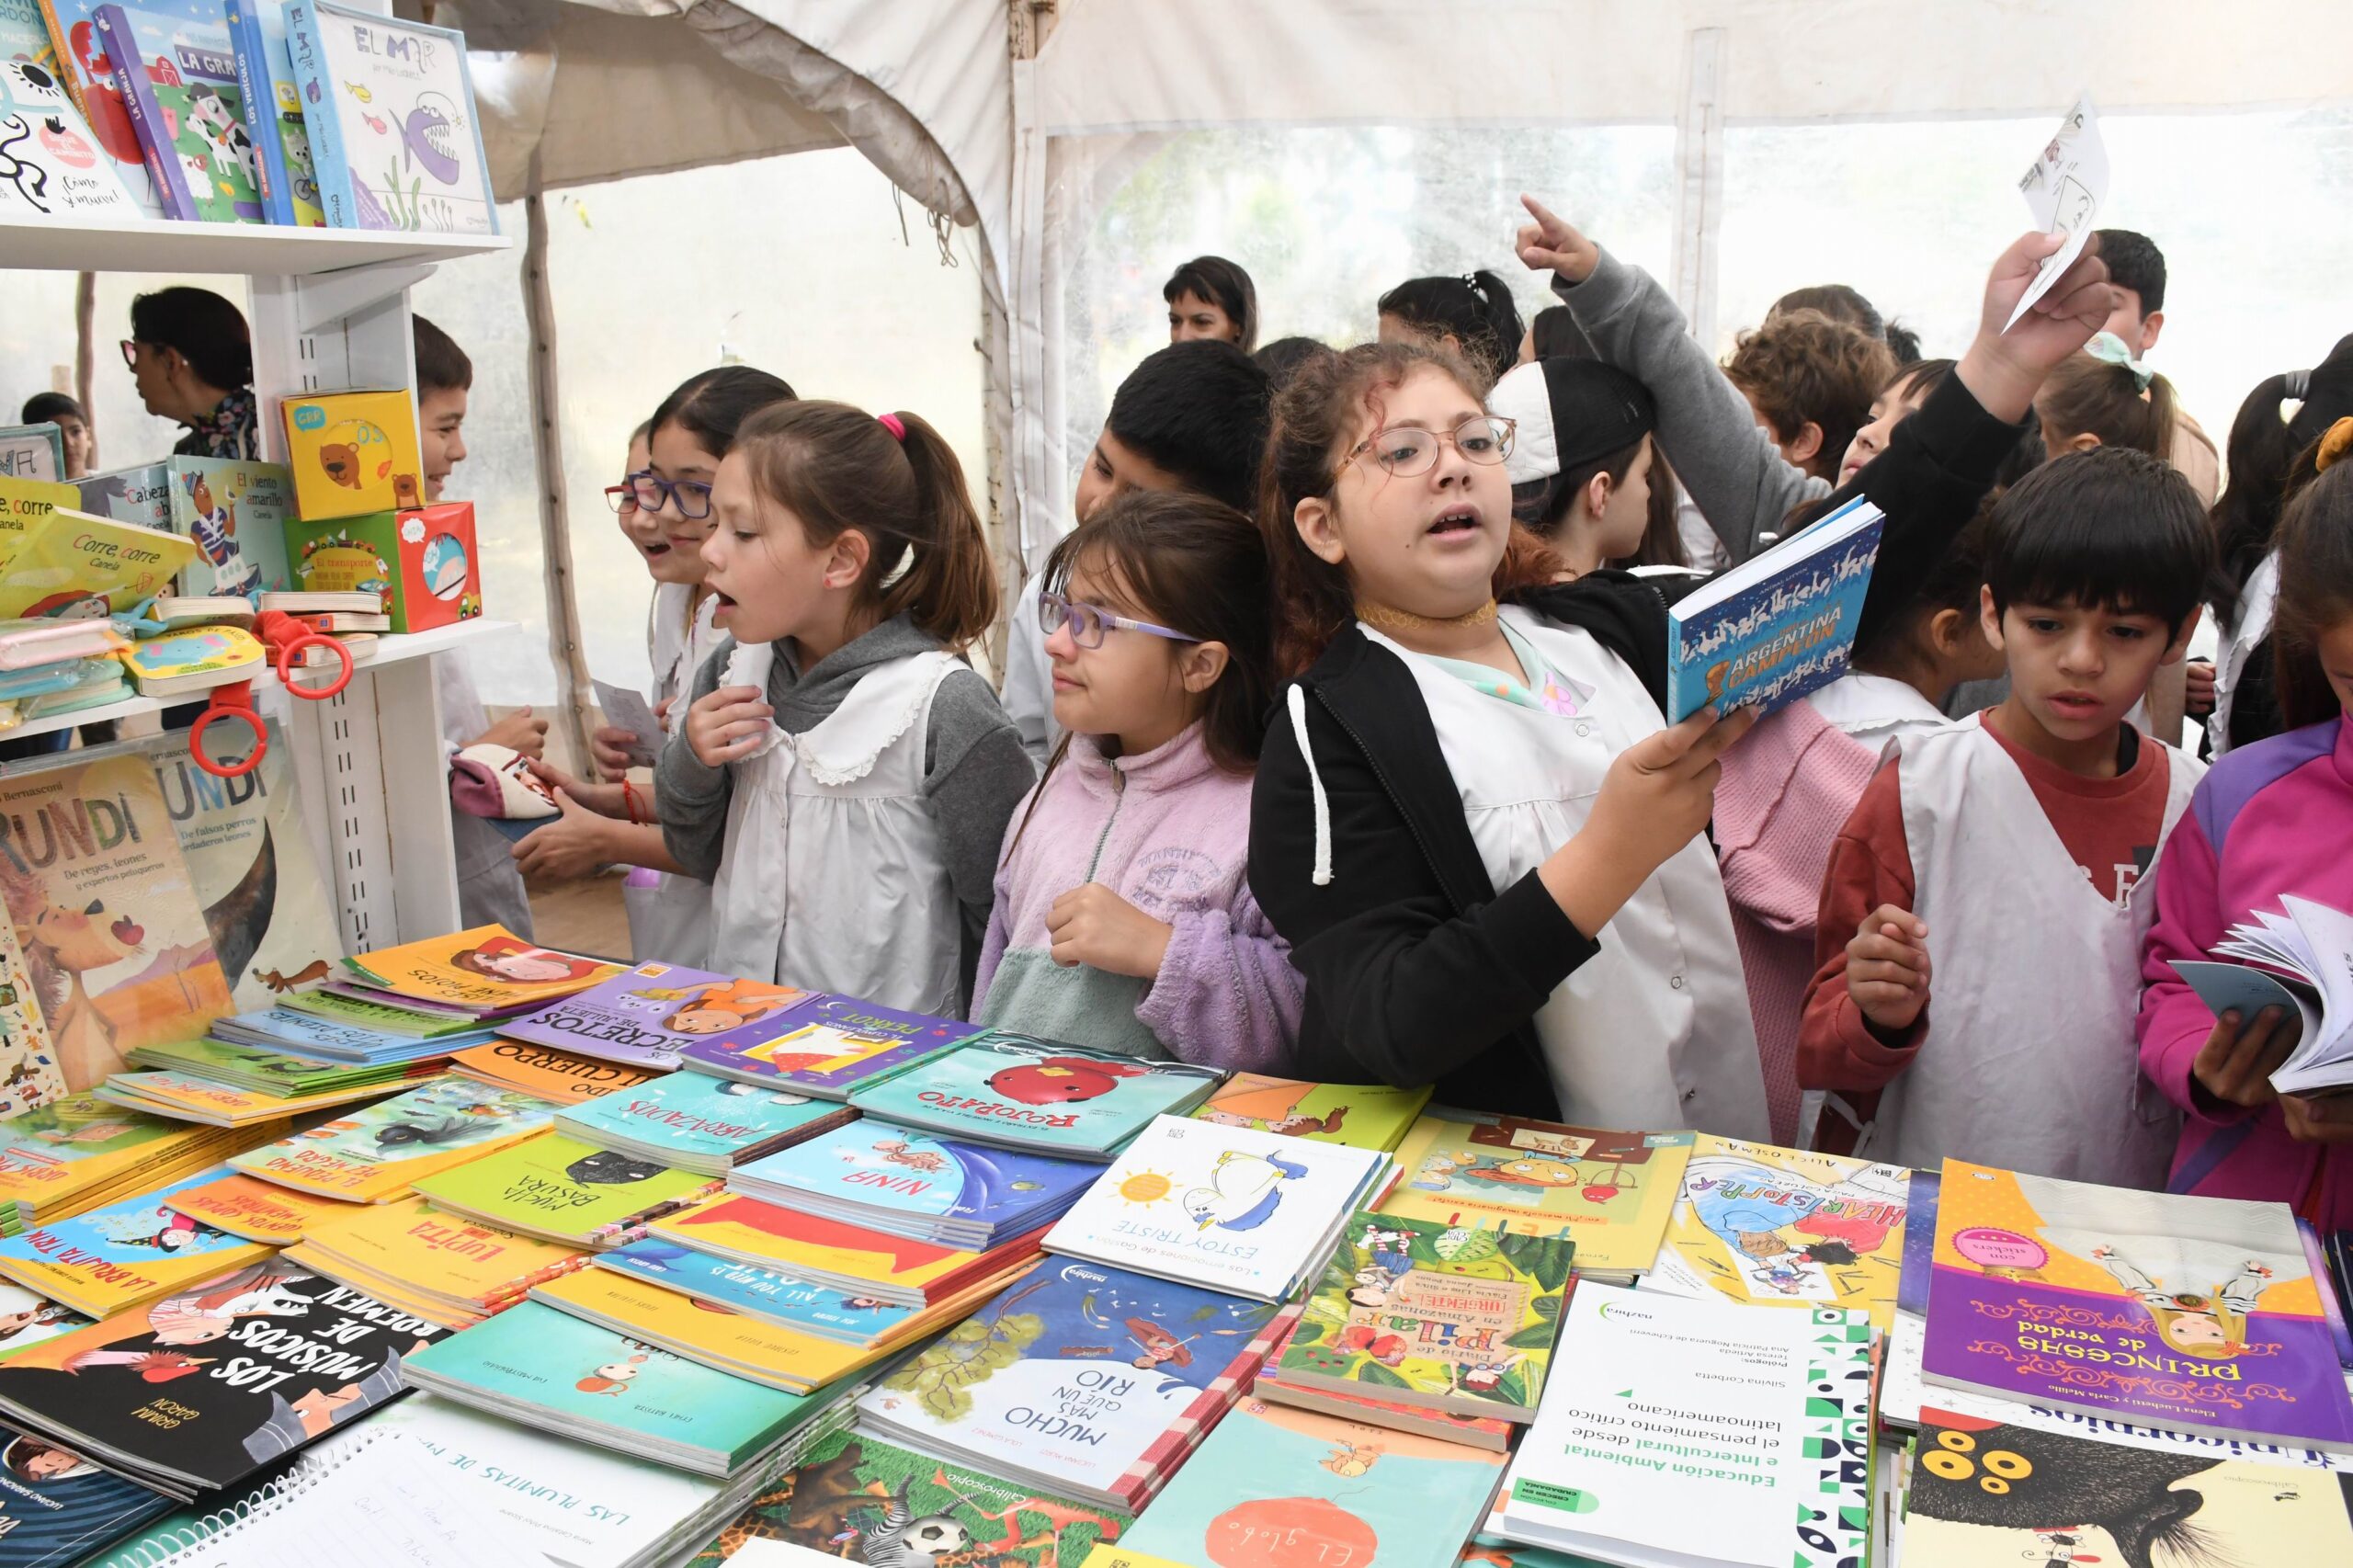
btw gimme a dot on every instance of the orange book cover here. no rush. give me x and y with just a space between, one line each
799 1244
412 1243
551 1075
255 1210
486 967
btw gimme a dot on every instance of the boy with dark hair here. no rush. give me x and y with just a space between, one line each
2002 857
2137 268
1192 418
1811 381
444 378
73 427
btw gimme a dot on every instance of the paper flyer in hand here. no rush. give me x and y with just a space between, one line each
2063 190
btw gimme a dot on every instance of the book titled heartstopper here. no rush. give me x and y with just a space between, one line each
647 1015
1090 1381
827 1045
1782 624
1021 1092
2197 1315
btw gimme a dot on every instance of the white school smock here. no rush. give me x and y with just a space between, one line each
2031 1059
1653 1030
2257 601
1874 709
832 876
669 915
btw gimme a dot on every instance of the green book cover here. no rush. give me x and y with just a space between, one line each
1367 1116
566 1190
377 1015
1460 1318
264 1071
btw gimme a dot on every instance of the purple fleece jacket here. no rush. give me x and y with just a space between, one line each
1169 832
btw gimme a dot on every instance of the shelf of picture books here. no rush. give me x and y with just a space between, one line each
536 1257
235 136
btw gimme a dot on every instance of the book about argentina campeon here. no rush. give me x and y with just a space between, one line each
1780 625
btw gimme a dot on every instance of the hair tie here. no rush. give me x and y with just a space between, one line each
894 424
2108 348
2335 444
2294 385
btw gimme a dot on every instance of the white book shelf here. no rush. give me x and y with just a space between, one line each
329 312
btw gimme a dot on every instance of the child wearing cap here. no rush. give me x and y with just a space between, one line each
1582 462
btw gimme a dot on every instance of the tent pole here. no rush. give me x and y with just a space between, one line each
1700 183
564 647
86 312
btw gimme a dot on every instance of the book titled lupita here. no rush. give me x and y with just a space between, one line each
2197 1314
203 1389
912 1183
647 1017
428 1251
1017 1091
827 1045
1092 1381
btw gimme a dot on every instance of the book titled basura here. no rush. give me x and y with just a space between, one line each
203 1389
484 969
1451 1317
1370 1115
699 1123
647 1015
1025 1093
912 1183
1610 1191
1777 625
566 1191
2199 1314
375 1153
1094 1382
124 1255
828 1046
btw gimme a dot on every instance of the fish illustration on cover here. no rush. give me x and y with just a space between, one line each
915 1173
1785 1226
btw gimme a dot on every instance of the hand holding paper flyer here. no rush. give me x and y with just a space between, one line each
2064 190
626 710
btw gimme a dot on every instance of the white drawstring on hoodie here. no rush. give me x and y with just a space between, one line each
1296 699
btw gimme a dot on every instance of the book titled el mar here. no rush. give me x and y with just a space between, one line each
1777 625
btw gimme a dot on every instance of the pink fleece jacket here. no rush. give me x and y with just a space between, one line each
1786 789
1169 832
2272 818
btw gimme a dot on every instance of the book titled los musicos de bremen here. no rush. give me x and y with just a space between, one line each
564 1191
1457 1318
699 1123
485 969
908 1183
1688 1431
647 1015
375 1153
1785 1227
201 1389
1230 1208
1092 1382
1020 1092
123 1256
1780 625
826 1046
1370 1115
1611 1192
827 1251
2197 1315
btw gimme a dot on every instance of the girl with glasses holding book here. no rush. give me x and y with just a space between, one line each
1123 919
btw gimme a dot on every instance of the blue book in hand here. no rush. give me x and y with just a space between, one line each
1777 625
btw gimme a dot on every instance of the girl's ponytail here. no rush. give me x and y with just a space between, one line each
1477 311
949 585
2315 579
1503 330
2118 400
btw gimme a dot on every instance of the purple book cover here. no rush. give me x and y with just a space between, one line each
1919 1243
2196 1314
828 1046
647 1017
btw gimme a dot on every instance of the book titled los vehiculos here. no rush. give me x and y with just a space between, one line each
203 1389
1017 1091
827 1045
375 1153
647 1015
1090 1381
1370 1115
1777 625
1692 1431
1611 1192
561 1189
1230 1208
912 1183
2199 1314
699 1123
1451 1317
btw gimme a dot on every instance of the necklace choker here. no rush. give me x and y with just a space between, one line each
1391 619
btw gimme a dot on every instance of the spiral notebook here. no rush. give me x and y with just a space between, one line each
391 1490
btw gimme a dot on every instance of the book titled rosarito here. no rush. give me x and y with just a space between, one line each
1768 632
1019 1090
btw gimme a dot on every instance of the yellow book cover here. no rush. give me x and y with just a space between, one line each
191 1098
29 1075
485 967
550 1074
124 1255
1365 1116
25 504
374 1154
73 563
255 1210
1785 1227
704 1330
1610 1192
353 453
441 1313
439 1254
80 1143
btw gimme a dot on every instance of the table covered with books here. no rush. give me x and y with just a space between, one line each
525 1256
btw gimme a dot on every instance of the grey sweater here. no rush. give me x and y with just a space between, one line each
1736 476
975 769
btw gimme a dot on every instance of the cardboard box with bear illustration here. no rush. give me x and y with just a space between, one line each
353 453
421 563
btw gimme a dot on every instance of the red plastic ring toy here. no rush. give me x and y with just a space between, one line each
294 646
233 769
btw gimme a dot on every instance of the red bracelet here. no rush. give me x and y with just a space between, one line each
631 804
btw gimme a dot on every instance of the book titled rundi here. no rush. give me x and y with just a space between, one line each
1777 625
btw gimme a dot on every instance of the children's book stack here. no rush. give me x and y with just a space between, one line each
126 1255
256 1210
647 1015
1095 1383
699 1123
563 1190
26 1319
826 1251
1013 1091
1375 1407
551 1075
546 1369
1236 1210
1610 1192
335 1029
280 1074
441 1266
186 1096
817 1310
1370 1115
483 976
906 1183
830 1047
375 1155
81 1153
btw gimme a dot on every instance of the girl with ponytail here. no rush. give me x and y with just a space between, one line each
844 777
1471 317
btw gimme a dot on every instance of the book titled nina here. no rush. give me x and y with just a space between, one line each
1777 625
